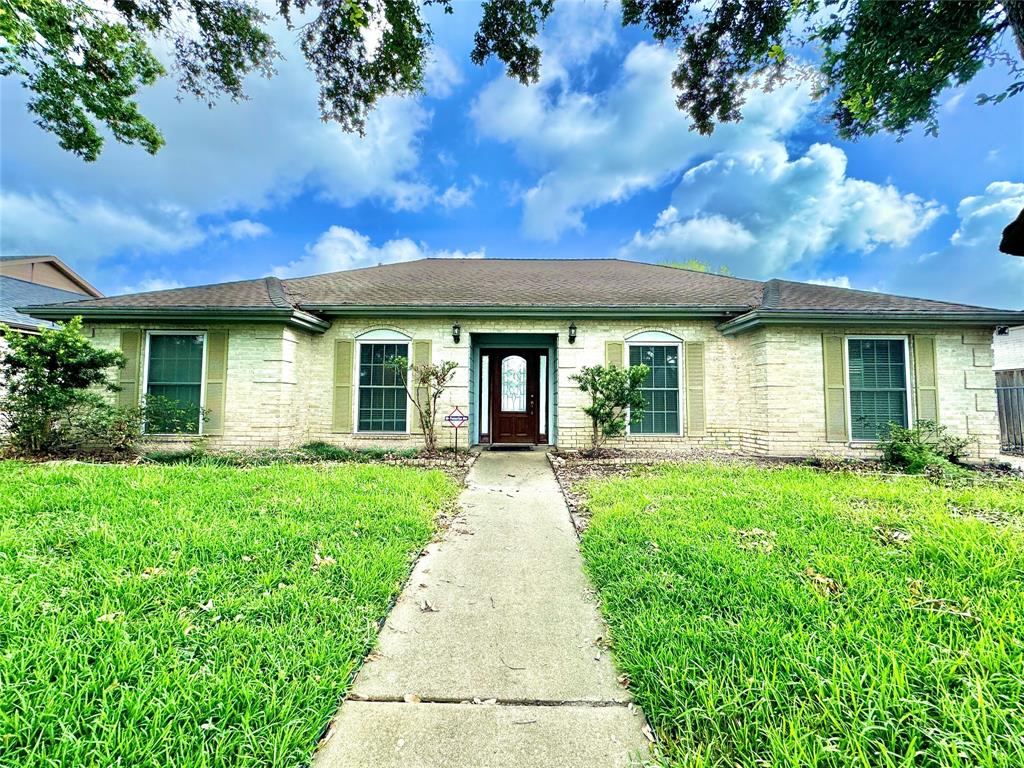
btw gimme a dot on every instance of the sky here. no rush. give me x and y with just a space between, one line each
594 161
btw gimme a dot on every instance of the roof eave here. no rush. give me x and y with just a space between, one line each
548 310
294 318
761 318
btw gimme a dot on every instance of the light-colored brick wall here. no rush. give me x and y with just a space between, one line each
1008 350
764 389
260 410
794 403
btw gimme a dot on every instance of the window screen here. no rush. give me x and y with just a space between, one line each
878 386
660 389
382 398
175 376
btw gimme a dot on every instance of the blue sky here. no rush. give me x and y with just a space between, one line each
594 161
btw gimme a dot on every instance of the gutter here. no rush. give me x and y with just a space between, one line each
759 318
287 316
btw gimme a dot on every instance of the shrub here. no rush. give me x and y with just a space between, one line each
327 452
614 392
424 383
923 447
55 404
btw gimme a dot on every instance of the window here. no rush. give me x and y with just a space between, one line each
174 374
485 394
660 388
382 397
878 386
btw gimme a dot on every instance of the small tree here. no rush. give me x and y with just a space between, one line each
614 393
424 383
53 403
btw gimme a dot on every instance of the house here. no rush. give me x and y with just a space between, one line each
27 280
1008 349
774 368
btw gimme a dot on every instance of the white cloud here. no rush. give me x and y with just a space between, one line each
235 158
457 197
152 284
970 269
80 228
696 238
342 248
981 215
592 150
749 206
762 213
243 229
840 281
442 75
951 104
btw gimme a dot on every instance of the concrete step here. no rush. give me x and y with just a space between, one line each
371 734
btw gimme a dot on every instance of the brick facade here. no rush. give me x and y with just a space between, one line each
764 392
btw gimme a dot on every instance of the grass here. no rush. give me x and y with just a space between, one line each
193 615
310 452
781 617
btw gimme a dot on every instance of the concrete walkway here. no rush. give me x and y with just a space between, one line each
492 654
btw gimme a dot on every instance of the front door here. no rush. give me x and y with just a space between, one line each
514 384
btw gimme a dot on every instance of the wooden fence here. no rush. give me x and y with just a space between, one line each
1010 403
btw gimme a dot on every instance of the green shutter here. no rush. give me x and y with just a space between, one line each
421 355
614 353
926 379
216 382
130 375
835 389
341 420
693 371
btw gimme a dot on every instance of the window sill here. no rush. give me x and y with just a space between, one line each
373 435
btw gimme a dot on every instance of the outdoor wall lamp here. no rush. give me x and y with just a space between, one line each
572 333
456 332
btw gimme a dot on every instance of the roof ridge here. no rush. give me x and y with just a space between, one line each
680 269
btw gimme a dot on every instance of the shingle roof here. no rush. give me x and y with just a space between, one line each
244 294
606 284
789 295
19 293
523 282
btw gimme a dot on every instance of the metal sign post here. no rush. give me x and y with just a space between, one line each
456 420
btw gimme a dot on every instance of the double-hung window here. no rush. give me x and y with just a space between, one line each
878 386
660 389
382 396
174 382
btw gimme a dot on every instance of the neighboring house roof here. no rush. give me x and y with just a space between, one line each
15 292
523 287
29 268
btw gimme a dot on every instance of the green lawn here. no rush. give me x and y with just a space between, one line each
888 651
193 615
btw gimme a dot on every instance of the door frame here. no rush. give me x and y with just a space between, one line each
484 343
532 358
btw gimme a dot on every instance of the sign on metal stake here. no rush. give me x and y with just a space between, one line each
456 420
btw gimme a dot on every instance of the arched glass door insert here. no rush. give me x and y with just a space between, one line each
513 384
